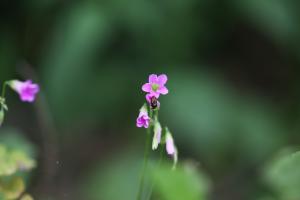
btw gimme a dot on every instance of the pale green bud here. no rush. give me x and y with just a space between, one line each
2 114
157 135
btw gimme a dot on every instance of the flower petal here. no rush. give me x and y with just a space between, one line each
146 87
146 124
153 78
162 79
148 98
163 90
139 124
154 94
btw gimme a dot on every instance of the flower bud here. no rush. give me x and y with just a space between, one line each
157 135
143 119
1 116
171 147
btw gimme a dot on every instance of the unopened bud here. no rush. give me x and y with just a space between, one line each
1 116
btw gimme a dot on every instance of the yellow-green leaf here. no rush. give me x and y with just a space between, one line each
12 188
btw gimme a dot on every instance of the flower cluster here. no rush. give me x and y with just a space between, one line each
154 88
26 89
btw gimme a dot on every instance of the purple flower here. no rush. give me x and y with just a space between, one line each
26 90
156 136
143 119
156 85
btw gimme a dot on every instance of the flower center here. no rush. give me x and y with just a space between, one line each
155 87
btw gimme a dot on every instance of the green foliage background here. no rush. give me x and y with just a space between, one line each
233 104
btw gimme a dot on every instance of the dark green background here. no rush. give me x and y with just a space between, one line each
233 101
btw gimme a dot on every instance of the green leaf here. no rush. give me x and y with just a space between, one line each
186 182
12 188
7 167
16 153
26 197
283 175
14 139
13 161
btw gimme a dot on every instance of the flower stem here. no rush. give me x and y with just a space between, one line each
146 158
157 167
3 94
4 89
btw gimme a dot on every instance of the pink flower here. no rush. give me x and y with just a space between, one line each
156 85
143 119
26 90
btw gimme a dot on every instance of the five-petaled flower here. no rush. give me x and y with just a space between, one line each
26 90
143 119
156 85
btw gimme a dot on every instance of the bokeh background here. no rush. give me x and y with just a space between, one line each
233 101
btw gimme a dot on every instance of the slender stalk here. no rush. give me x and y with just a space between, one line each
3 94
158 165
4 89
146 158
161 155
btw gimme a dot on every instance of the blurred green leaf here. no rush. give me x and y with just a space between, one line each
13 161
16 153
8 166
186 182
13 139
26 197
12 188
283 175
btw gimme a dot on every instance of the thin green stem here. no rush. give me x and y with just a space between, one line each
3 93
146 158
156 114
4 89
157 167
161 155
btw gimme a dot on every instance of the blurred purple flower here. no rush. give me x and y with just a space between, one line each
143 119
26 90
156 85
